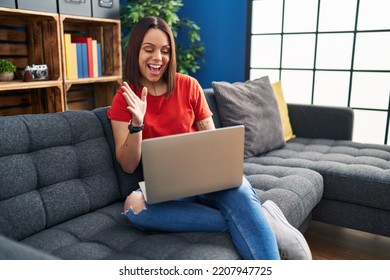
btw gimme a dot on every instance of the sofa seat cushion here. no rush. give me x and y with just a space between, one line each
353 172
107 234
295 190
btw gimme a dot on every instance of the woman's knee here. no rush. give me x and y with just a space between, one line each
242 194
135 202
244 188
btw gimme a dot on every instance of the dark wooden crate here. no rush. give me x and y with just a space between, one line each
32 101
27 39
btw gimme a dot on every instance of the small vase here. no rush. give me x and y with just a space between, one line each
6 76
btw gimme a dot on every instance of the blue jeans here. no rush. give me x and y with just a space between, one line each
236 210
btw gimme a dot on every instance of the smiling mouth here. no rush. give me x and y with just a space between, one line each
154 68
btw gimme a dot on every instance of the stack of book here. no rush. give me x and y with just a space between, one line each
83 57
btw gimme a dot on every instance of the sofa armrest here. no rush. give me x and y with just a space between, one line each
313 121
13 250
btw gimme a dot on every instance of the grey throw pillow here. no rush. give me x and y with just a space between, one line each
252 104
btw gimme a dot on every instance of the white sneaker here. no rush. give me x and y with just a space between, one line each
292 245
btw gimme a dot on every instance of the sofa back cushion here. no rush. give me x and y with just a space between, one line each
53 167
127 182
212 102
253 104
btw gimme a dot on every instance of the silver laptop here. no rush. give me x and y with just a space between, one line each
194 163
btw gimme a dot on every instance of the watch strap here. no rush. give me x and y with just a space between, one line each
135 129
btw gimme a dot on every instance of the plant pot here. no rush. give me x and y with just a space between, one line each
6 76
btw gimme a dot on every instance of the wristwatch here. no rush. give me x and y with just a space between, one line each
135 129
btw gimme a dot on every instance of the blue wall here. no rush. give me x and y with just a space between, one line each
223 26
223 31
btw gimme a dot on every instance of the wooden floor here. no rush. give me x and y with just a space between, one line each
328 242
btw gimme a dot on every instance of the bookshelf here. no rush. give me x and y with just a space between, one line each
84 93
22 34
29 37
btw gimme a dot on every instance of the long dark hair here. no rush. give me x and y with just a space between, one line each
131 71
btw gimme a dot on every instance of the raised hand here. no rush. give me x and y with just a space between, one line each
136 105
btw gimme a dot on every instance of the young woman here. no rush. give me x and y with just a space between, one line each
156 101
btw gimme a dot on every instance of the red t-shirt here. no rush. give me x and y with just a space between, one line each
166 116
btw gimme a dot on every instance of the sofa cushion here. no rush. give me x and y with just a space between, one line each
321 122
107 234
212 102
53 167
353 172
295 190
127 182
253 105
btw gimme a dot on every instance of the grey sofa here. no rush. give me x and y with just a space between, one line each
62 191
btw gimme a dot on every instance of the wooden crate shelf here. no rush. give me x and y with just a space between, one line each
89 96
29 37
107 32
32 101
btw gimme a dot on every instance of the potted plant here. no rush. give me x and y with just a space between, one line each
7 70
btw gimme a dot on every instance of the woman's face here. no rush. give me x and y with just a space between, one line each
154 55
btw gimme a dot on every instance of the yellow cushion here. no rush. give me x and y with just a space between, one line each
287 129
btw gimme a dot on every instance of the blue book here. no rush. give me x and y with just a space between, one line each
79 61
99 59
84 51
